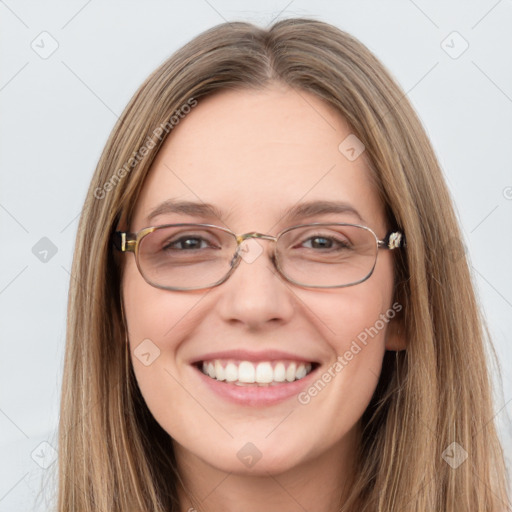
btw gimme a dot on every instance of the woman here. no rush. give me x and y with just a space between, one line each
319 361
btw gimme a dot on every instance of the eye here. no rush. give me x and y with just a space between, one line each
331 241
189 242
324 242
184 243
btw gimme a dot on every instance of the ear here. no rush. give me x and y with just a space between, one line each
395 334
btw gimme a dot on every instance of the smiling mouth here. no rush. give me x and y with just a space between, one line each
263 373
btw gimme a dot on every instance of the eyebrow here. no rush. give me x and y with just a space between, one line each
297 212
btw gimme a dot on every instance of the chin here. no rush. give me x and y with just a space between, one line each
256 459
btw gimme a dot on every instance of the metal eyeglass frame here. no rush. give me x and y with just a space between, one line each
129 242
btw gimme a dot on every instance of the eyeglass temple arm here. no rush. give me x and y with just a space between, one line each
124 242
393 240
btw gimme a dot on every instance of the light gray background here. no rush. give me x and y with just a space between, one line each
58 111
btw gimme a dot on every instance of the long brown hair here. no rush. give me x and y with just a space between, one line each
114 456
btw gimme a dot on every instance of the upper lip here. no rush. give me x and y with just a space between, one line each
245 355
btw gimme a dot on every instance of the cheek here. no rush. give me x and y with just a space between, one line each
159 315
156 320
353 322
354 325
339 396
359 312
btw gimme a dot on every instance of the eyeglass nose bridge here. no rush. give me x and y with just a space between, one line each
253 234
240 239
248 236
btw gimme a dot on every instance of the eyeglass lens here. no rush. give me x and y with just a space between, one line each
193 257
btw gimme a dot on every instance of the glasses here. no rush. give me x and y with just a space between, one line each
197 256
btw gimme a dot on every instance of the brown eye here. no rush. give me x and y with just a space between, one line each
185 243
324 242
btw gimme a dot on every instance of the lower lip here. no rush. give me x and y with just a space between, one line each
256 395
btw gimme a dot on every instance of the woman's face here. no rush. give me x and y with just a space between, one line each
253 155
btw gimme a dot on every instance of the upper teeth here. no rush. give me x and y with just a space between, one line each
262 373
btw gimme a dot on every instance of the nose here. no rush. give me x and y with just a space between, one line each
255 294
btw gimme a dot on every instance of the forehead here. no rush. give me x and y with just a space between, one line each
255 153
